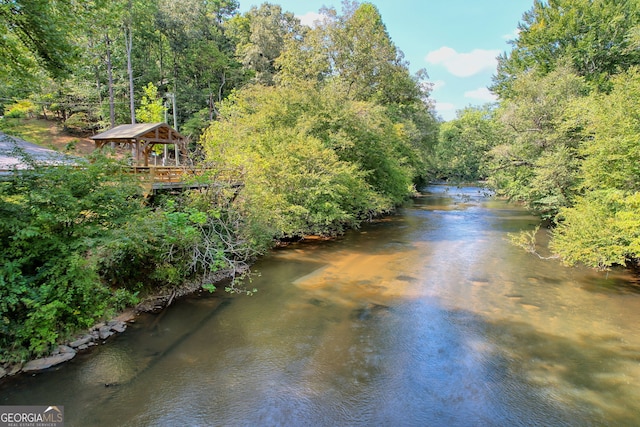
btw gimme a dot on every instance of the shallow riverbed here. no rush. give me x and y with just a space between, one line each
429 317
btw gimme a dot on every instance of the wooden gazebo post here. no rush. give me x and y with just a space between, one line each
149 134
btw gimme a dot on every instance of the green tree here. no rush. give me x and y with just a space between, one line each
297 180
538 163
351 57
305 58
594 37
151 108
202 64
354 52
37 46
261 38
34 34
362 51
603 227
464 143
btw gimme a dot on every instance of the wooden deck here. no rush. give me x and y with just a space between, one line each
156 178
160 178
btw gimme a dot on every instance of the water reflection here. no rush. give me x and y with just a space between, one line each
427 318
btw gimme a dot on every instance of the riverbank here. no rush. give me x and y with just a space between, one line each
95 336
100 333
428 317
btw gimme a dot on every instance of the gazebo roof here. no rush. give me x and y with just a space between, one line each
154 133
142 137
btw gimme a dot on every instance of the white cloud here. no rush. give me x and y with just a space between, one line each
464 64
482 94
445 106
513 35
310 18
446 110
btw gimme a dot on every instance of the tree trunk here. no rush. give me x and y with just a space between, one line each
112 107
222 83
128 38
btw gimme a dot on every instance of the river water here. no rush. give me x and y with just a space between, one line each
427 318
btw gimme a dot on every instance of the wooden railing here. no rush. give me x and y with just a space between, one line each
167 174
155 178
172 177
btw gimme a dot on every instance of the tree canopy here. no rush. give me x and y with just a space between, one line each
304 130
357 139
595 38
567 132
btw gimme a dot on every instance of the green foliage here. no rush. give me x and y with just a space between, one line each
51 221
19 110
33 35
260 39
317 152
79 123
570 92
364 53
151 109
77 243
612 134
202 58
301 176
343 134
603 227
304 58
525 239
196 124
355 53
210 287
593 37
461 152
538 163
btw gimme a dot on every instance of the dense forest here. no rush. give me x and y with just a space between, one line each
325 125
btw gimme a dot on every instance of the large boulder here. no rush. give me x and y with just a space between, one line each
81 341
47 362
104 332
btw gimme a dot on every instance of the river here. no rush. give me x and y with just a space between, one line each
427 318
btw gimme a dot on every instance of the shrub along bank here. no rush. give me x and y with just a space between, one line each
79 244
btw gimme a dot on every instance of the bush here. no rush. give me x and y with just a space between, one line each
601 230
80 123
51 221
314 163
20 110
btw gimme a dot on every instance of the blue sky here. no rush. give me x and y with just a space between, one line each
456 41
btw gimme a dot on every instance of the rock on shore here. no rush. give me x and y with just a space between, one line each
47 362
64 353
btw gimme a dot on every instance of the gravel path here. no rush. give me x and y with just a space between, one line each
14 150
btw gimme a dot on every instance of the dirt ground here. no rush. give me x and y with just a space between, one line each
44 140
60 141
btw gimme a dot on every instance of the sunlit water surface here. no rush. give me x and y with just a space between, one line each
427 318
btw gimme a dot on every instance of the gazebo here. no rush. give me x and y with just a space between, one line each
142 137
